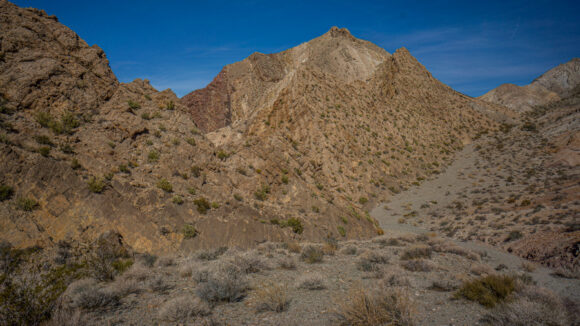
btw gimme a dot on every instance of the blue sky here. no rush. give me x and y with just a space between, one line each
182 45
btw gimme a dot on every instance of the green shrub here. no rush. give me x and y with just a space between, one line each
514 235
196 171
153 156
285 179
133 105
44 140
6 192
44 151
238 197
296 225
262 193
202 205
177 200
165 185
189 231
44 119
26 204
363 200
123 168
122 265
96 185
191 141
488 290
74 164
215 205
170 105
222 155
191 191
145 116
341 230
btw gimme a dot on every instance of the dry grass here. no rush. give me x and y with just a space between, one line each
532 306
418 265
312 254
481 269
371 261
417 252
528 266
270 297
294 247
386 306
314 281
183 308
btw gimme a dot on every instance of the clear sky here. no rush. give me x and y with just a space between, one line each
473 46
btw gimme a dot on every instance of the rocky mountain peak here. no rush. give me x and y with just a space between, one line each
339 32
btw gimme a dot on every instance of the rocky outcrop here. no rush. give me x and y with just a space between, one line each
46 66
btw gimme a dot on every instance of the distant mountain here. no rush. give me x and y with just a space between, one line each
556 84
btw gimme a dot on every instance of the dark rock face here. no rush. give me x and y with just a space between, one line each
210 107
46 66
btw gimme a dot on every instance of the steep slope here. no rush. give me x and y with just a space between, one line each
310 138
557 83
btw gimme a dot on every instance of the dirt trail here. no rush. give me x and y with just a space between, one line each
441 192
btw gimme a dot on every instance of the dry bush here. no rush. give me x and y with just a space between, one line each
349 250
395 277
481 269
165 262
211 254
444 286
417 252
370 307
67 317
248 262
533 306
418 265
294 247
312 254
270 297
329 249
567 272
371 261
528 266
222 282
88 294
158 283
183 308
137 272
448 247
287 263
314 281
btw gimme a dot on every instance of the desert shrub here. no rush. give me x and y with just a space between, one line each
449 247
6 192
295 224
74 164
532 306
164 185
153 156
349 250
488 290
158 283
202 204
481 269
285 179
313 281
211 254
262 193
188 231
122 265
96 185
311 254
178 200
222 155
418 265
44 151
170 105
528 266
215 205
395 277
133 105
196 171
191 141
26 204
87 294
287 263
294 247
248 262
341 230
183 308
567 272
363 200
270 297
385 306
225 282
371 261
238 197
514 235
417 252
